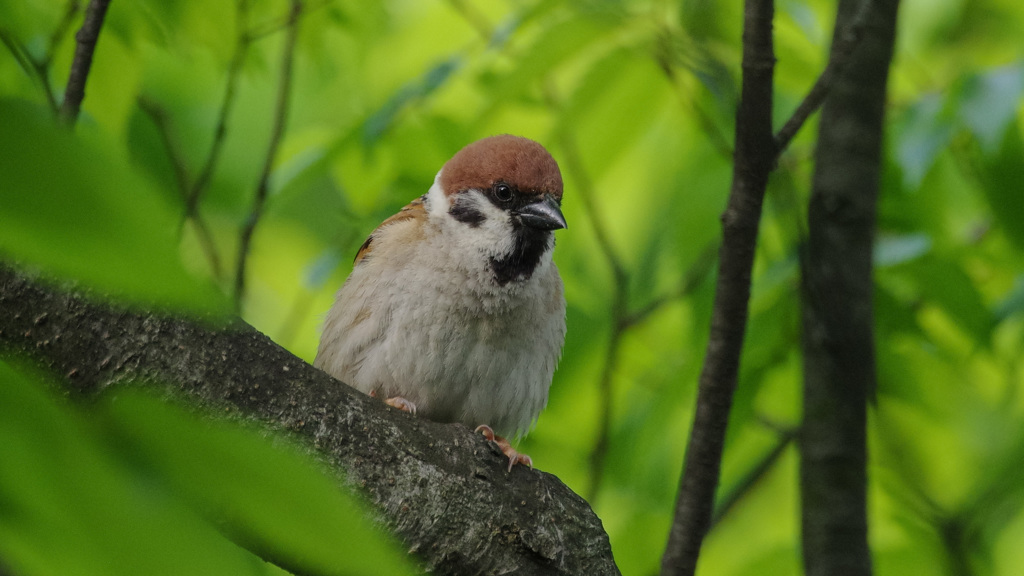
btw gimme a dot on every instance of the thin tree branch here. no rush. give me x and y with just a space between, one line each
622 321
843 45
755 157
756 473
85 45
242 43
599 452
159 118
276 135
698 271
35 69
471 14
71 10
17 49
585 191
573 163
663 57
275 25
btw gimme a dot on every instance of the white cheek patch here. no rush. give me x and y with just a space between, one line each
437 202
472 223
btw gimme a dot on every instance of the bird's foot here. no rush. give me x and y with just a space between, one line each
514 457
398 402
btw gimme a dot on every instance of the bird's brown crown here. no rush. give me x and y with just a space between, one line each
514 160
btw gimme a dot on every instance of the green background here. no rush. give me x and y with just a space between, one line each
635 100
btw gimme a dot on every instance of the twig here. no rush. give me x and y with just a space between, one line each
753 476
33 68
474 17
573 163
622 321
842 48
39 68
17 49
71 11
242 42
600 451
276 134
159 117
86 39
755 156
275 25
693 277
585 190
707 124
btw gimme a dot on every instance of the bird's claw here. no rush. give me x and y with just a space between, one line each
398 402
514 457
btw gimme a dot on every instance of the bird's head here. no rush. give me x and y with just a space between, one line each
507 192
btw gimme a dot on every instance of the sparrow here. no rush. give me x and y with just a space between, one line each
454 309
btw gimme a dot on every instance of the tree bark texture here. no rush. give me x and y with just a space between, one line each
838 344
442 489
754 160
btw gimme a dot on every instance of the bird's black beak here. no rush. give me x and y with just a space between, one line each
542 215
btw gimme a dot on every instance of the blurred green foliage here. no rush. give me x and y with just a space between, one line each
132 485
635 100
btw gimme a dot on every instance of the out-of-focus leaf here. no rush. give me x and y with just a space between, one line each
891 250
1004 184
989 102
267 497
1013 302
944 283
892 314
135 486
381 120
74 208
613 105
69 506
553 46
29 22
927 129
805 19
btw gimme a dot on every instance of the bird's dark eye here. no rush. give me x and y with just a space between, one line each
503 192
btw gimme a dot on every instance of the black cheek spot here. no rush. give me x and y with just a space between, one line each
527 249
467 215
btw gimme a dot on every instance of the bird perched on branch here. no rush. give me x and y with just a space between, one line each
454 309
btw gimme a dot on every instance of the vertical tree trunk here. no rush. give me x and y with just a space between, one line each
839 364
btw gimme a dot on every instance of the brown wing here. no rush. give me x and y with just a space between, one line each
412 210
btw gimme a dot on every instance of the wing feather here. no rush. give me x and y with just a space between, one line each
413 210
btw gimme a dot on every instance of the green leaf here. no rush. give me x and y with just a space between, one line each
944 282
927 129
132 485
1004 185
988 104
74 207
891 250
1013 301
68 506
379 122
270 498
